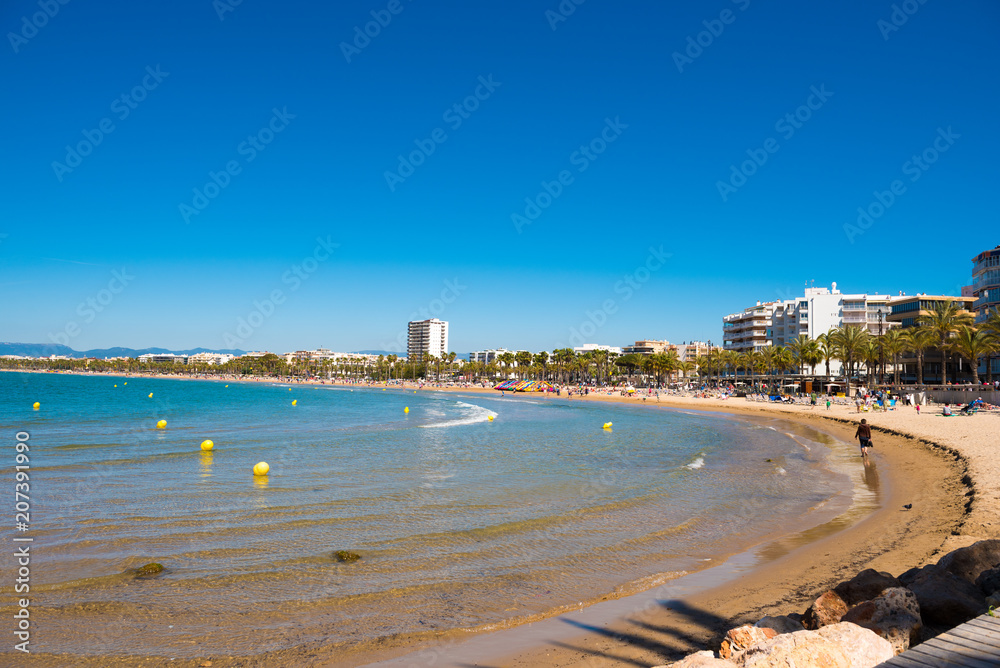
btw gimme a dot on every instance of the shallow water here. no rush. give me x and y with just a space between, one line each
461 522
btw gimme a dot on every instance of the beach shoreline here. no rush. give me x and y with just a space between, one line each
923 466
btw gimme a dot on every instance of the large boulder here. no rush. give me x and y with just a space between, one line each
827 609
969 562
802 649
742 637
701 660
865 586
781 624
989 581
945 599
894 615
863 647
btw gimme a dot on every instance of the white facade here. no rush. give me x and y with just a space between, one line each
209 358
166 357
487 356
427 337
818 311
591 347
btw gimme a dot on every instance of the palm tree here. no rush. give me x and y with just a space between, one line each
826 350
944 320
919 339
849 343
992 326
784 359
506 359
894 343
972 344
523 359
803 348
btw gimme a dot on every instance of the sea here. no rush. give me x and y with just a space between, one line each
468 510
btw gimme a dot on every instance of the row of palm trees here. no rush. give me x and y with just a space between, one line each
946 328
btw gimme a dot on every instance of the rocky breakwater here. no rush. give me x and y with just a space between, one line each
869 618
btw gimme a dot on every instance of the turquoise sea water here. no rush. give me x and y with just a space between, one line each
461 522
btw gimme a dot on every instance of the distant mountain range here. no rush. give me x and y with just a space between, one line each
46 349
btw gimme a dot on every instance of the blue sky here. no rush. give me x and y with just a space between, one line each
584 189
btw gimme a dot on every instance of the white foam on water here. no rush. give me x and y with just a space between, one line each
696 464
468 414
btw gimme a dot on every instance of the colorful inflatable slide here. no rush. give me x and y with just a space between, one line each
525 386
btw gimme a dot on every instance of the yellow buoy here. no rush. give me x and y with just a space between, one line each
261 468
406 410
150 395
295 401
607 425
116 384
162 424
126 383
490 418
227 386
36 405
289 389
207 444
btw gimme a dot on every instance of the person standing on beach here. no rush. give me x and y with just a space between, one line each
864 436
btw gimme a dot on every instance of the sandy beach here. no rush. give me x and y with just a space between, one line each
945 467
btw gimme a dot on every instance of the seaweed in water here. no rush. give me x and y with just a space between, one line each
149 569
346 557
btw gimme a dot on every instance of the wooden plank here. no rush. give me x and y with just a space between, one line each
988 627
975 652
972 643
905 660
945 657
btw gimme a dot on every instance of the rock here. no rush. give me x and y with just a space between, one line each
969 562
895 616
827 609
781 624
148 570
865 586
945 599
802 649
863 648
742 637
989 581
346 557
701 660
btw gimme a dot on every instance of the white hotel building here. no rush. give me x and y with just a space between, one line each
426 337
816 312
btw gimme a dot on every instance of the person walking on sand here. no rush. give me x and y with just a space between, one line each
864 436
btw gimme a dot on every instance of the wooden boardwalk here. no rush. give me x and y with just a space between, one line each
975 644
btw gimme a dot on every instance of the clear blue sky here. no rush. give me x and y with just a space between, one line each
336 117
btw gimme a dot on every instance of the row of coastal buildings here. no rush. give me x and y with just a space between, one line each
819 309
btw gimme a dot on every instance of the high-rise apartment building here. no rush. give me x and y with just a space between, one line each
426 337
777 323
986 282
